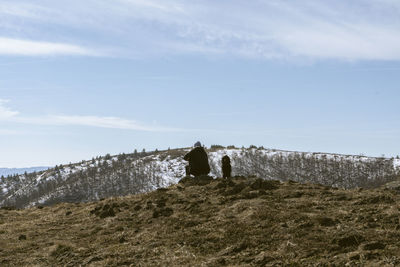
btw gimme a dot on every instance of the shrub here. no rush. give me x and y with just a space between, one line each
217 147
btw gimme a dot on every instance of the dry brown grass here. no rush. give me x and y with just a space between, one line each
244 222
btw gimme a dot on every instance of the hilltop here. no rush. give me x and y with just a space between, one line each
244 221
140 172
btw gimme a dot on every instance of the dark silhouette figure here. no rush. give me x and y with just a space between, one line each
198 161
226 167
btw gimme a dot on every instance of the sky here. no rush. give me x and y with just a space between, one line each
80 79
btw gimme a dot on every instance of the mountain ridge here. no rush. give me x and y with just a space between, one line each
141 172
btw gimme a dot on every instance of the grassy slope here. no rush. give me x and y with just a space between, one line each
244 222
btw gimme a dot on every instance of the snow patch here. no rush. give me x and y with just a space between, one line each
396 164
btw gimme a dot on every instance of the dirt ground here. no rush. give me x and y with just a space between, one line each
204 222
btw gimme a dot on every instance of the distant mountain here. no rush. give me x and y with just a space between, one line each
11 171
134 173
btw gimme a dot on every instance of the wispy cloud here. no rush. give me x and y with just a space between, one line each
18 9
6 114
92 121
316 29
34 48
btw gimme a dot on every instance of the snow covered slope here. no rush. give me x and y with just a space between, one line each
396 163
142 172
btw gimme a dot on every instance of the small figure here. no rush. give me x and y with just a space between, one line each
226 167
198 161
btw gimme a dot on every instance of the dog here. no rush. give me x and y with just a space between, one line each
226 167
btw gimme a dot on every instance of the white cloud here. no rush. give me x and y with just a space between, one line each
5 112
169 7
34 48
9 115
105 122
366 30
92 121
18 9
316 29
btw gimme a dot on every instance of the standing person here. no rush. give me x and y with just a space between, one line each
226 167
198 161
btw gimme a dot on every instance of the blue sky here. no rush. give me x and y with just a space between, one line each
85 78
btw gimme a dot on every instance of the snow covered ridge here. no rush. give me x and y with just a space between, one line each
135 173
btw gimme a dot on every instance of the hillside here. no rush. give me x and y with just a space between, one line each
134 173
242 222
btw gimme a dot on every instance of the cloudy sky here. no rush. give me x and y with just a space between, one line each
85 78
